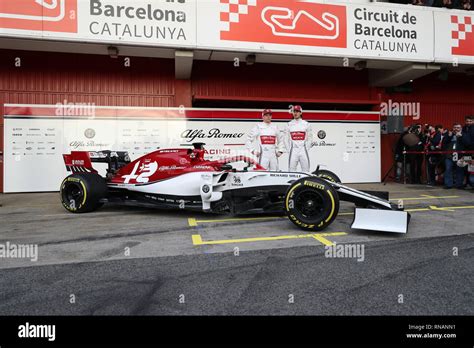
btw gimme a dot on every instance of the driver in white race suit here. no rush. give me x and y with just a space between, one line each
266 142
299 137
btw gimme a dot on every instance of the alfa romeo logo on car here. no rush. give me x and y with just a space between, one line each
89 133
322 134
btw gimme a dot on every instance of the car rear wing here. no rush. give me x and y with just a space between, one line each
79 162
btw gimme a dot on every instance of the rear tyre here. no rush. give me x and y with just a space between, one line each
82 192
327 175
312 203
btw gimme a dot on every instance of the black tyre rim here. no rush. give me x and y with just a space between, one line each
73 193
310 204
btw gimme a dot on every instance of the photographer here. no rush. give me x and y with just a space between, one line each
468 142
414 141
452 141
433 143
400 147
468 133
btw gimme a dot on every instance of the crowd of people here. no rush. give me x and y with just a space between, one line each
446 153
452 4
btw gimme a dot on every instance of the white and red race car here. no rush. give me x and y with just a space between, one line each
183 179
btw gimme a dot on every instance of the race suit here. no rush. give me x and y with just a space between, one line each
269 141
299 135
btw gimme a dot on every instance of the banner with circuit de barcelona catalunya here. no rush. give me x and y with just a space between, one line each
36 137
312 27
304 27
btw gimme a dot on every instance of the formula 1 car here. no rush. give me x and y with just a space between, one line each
182 179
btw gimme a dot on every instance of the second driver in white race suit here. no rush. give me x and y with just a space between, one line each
266 142
299 137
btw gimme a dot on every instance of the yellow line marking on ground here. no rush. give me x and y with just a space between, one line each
322 240
430 196
433 207
419 209
197 239
193 222
465 207
424 198
420 190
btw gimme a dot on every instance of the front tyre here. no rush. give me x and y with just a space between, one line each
312 203
82 192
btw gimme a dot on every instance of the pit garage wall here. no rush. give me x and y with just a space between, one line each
49 78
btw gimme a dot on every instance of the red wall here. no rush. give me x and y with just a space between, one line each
222 80
46 78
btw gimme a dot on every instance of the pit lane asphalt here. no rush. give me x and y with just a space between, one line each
84 255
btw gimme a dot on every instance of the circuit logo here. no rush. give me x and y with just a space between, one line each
289 22
39 15
462 35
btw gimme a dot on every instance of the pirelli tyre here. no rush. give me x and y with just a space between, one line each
327 175
312 203
82 192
